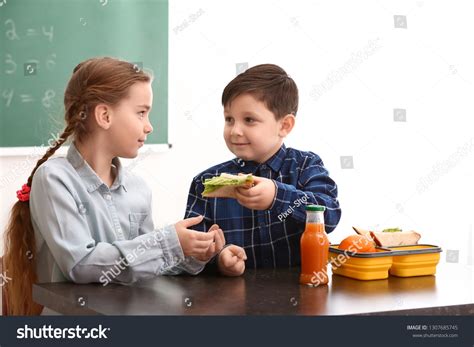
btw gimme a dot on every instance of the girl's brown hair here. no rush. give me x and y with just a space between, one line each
94 81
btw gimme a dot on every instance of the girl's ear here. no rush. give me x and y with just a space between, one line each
102 116
286 125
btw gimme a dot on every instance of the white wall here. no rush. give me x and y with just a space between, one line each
353 68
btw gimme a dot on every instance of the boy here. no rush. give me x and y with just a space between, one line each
267 220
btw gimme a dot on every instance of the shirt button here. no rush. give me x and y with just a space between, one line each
107 196
82 209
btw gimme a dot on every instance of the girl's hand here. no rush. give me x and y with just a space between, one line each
231 261
216 246
195 243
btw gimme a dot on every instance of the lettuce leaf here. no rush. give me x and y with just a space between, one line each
391 230
212 184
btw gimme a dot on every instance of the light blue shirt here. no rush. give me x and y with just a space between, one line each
88 232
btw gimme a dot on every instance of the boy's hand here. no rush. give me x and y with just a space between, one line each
260 196
195 243
231 261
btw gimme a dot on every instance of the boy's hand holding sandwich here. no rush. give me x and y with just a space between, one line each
259 197
253 192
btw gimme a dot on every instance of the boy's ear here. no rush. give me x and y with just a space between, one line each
102 115
286 124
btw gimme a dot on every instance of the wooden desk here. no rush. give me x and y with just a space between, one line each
268 292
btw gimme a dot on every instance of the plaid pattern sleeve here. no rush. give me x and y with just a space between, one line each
271 237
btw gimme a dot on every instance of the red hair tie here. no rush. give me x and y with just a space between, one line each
24 193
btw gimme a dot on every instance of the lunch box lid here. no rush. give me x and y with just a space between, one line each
383 252
389 251
423 249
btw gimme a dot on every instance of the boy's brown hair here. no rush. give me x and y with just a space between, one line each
268 83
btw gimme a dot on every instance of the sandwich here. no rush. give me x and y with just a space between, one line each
223 186
391 237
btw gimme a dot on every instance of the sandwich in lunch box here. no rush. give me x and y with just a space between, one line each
391 237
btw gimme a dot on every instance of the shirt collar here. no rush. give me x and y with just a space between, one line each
275 162
89 176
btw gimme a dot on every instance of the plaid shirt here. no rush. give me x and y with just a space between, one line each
271 238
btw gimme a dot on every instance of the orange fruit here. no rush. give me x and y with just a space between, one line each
357 243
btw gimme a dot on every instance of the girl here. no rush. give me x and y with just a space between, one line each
84 219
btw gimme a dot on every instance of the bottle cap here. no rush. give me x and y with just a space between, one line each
315 208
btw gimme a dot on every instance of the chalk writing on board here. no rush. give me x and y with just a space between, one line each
51 61
8 96
40 46
11 65
11 32
31 32
26 98
47 99
49 33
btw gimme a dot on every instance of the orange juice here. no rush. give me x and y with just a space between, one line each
314 248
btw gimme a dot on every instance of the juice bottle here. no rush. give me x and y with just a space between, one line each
314 248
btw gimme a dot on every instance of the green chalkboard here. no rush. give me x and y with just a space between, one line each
43 40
